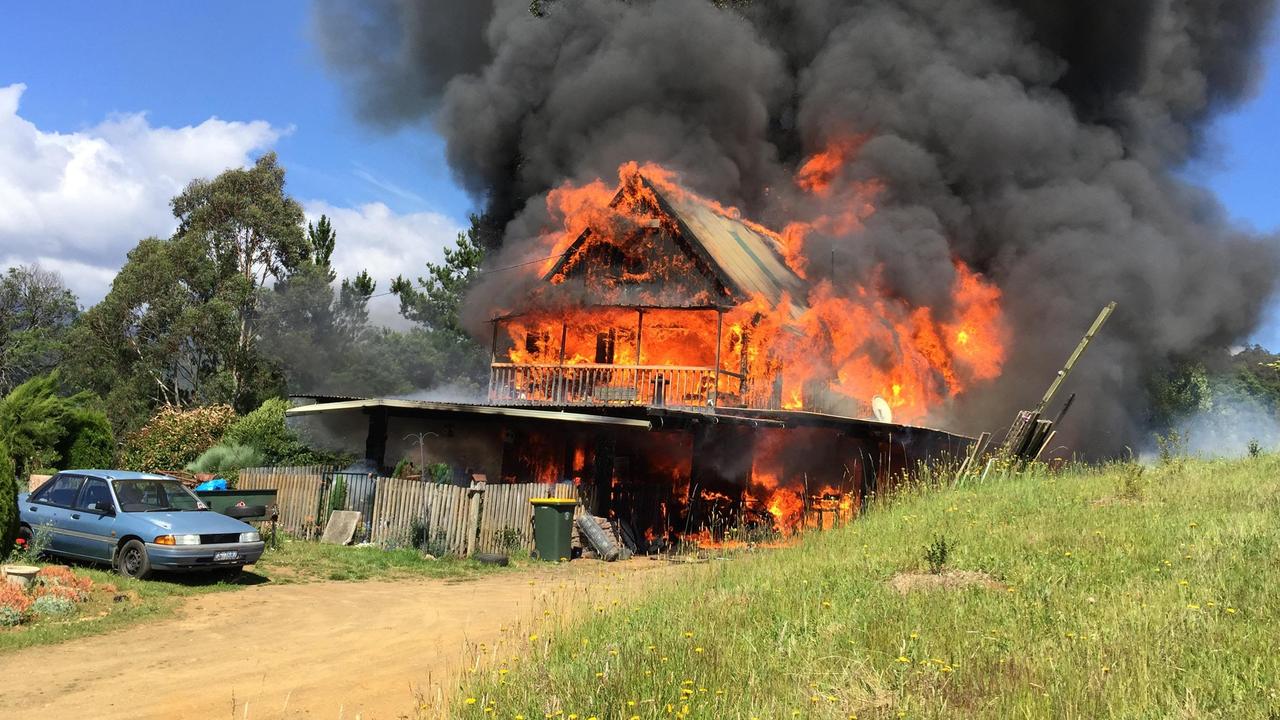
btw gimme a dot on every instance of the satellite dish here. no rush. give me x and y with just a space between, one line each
881 409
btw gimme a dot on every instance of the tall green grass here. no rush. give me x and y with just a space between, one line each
1117 594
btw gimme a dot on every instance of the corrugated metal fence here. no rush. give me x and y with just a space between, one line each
445 519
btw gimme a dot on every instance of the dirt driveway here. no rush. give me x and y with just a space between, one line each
324 650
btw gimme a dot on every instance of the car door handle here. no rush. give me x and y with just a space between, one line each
75 516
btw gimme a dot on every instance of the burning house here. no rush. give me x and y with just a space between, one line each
671 360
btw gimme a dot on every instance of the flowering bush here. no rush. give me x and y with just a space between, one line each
59 575
13 598
55 592
175 437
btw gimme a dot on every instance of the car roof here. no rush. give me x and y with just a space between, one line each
119 474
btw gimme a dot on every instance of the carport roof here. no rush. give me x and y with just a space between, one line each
443 407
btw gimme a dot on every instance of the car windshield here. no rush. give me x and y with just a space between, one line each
155 496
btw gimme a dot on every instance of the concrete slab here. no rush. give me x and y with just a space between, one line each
341 527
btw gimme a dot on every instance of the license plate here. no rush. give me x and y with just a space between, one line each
228 555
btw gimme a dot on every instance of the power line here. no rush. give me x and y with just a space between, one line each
492 270
520 265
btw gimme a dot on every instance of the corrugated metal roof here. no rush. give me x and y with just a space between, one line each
746 261
749 262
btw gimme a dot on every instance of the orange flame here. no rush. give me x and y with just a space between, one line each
834 349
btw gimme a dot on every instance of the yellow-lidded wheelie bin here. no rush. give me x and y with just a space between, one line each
553 528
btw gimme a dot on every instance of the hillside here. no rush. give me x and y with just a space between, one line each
1112 593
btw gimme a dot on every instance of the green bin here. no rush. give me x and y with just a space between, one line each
552 527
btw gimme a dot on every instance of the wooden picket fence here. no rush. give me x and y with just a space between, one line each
298 494
441 513
448 519
506 521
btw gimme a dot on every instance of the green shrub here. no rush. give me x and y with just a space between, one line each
10 616
8 501
937 554
439 472
175 437
265 429
89 442
338 495
404 468
32 421
226 460
53 605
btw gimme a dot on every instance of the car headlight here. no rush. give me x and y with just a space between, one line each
250 537
178 540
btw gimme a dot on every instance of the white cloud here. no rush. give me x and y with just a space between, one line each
372 237
78 202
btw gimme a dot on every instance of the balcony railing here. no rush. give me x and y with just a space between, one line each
604 385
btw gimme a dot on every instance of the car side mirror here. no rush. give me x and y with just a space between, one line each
104 506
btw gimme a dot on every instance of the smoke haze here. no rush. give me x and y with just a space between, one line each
1036 141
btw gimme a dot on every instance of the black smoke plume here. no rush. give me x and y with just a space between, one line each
1036 140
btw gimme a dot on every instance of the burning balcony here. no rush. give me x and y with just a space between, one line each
665 358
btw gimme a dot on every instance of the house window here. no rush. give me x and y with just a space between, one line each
536 343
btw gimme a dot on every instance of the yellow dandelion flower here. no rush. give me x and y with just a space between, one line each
471 701
1231 611
904 659
1192 606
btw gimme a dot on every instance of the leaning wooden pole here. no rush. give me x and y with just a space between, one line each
1075 356
1028 434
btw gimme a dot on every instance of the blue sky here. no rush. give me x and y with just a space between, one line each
91 69
238 60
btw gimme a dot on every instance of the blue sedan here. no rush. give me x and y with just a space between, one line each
137 522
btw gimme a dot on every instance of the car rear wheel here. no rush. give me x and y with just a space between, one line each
132 560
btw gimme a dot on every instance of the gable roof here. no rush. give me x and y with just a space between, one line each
744 260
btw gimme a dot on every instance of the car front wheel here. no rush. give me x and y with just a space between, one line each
132 560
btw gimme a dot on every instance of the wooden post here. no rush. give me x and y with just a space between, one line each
476 494
564 339
639 333
493 344
715 390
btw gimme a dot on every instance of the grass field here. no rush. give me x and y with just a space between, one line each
1115 594
294 561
